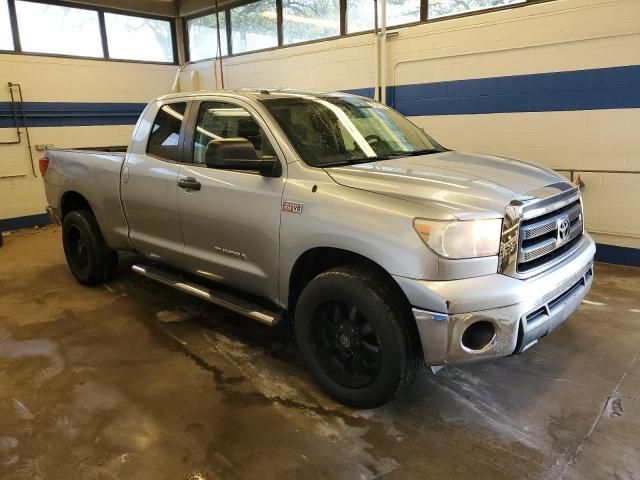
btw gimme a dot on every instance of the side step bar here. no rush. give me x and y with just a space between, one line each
222 299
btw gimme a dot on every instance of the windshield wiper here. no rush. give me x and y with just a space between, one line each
415 153
392 155
353 161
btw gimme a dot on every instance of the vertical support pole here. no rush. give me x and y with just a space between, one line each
227 18
103 34
383 52
343 17
279 17
13 19
376 36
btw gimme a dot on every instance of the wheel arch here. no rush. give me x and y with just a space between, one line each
317 260
72 201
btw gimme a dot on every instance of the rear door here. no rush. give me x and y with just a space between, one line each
150 184
231 223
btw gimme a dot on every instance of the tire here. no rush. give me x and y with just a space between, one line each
357 337
90 260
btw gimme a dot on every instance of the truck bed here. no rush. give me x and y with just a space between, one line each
110 149
91 174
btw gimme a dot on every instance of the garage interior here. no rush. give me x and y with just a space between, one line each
135 380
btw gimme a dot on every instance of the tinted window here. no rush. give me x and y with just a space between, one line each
304 20
443 8
217 120
6 41
254 26
164 139
137 38
203 37
60 30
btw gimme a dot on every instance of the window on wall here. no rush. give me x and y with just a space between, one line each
138 38
399 12
254 26
58 30
304 20
203 37
442 8
6 40
254 23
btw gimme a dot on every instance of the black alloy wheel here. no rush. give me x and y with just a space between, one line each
346 345
357 336
90 260
78 254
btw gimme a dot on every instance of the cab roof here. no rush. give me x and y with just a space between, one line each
258 93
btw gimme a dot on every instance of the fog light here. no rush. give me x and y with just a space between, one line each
478 335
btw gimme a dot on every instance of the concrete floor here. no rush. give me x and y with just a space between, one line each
135 381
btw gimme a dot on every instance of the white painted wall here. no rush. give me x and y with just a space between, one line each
50 79
562 35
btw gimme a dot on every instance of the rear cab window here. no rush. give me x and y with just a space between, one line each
164 138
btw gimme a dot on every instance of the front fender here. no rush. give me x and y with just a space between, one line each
374 226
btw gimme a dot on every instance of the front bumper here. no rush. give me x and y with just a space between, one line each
519 311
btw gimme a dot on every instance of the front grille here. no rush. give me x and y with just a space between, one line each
540 241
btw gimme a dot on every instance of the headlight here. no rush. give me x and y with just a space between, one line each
461 239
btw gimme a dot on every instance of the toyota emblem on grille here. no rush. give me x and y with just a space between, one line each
563 230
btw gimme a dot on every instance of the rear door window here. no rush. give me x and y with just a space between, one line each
164 139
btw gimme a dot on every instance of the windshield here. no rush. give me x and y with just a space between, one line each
338 130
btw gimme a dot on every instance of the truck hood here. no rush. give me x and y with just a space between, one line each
458 184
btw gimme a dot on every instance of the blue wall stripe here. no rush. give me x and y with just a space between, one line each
594 89
29 221
618 255
71 114
604 253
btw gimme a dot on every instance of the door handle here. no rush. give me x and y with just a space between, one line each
189 183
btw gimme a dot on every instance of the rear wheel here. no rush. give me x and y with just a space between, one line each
356 337
90 260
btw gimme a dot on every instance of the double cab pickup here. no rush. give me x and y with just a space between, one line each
382 250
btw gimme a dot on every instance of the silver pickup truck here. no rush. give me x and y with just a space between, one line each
382 250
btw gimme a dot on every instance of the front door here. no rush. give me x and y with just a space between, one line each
231 222
150 185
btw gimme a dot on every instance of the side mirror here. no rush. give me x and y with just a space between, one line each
237 154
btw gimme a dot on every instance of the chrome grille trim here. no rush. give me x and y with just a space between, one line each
547 246
538 250
548 225
522 212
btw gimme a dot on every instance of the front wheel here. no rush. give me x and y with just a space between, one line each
356 338
90 260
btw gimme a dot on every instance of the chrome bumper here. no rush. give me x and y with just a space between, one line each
519 311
